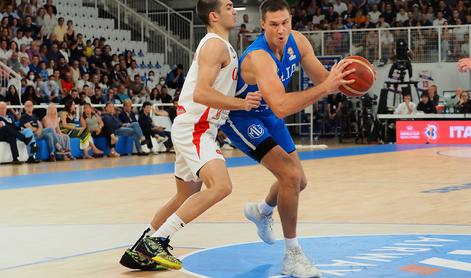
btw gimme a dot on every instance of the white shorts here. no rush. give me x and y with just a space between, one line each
192 154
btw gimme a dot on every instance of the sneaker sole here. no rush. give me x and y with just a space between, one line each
166 263
128 262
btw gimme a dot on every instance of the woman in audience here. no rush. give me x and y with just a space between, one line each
68 126
51 120
464 105
93 122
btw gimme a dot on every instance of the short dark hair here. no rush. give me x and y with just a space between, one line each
273 6
204 7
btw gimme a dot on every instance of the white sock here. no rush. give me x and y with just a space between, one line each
170 227
151 230
264 208
291 243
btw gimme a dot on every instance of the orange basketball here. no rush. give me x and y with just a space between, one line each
364 77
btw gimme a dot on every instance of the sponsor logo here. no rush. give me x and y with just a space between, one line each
255 131
431 131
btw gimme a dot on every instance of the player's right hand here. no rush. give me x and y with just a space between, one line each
337 75
464 64
252 100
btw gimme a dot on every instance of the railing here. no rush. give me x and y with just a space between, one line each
174 23
9 77
427 44
159 38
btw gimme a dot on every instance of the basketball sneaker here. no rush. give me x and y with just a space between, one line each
156 248
135 260
264 222
296 264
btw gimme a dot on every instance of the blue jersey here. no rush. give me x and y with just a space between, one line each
286 67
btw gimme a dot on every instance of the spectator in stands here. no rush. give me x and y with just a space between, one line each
175 78
97 65
50 21
150 130
69 36
122 93
12 96
114 126
5 53
30 94
374 14
426 105
10 12
14 62
464 105
132 70
389 14
60 29
9 133
24 66
127 116
39 18
30 120
111 96
318 17
136 86
75 71
439 20
91 121
54 54
84 66
69 127
77 48
166 98
407 107
151 81
339 7
433 94
51 121
65 51
84 81
68 82
97 97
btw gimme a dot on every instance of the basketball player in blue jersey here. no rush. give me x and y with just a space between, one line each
267 66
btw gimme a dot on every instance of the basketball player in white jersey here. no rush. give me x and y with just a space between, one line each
207 95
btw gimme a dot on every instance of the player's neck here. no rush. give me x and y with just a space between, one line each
220 31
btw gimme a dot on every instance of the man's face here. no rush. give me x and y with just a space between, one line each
127 106
277 26
226 14
110 108
3 109
29 107
406 99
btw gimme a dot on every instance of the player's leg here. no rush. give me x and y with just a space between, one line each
290 176
184 190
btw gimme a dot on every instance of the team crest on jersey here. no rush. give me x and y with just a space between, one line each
255 131
291 54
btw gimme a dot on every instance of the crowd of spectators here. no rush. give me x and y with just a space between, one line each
338 14
58 66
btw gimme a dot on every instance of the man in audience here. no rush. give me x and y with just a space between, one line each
112 124
9 134
407 107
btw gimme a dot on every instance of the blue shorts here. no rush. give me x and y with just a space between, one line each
256 134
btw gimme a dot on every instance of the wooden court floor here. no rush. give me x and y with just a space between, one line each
81 229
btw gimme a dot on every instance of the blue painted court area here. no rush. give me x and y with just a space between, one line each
45 179
398 256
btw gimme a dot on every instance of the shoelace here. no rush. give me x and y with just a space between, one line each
268 221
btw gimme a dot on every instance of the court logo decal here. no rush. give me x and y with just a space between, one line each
375 256
255 131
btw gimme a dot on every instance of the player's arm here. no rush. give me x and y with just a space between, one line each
210 61
311 65
282 104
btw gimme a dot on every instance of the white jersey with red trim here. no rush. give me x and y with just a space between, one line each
193 113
